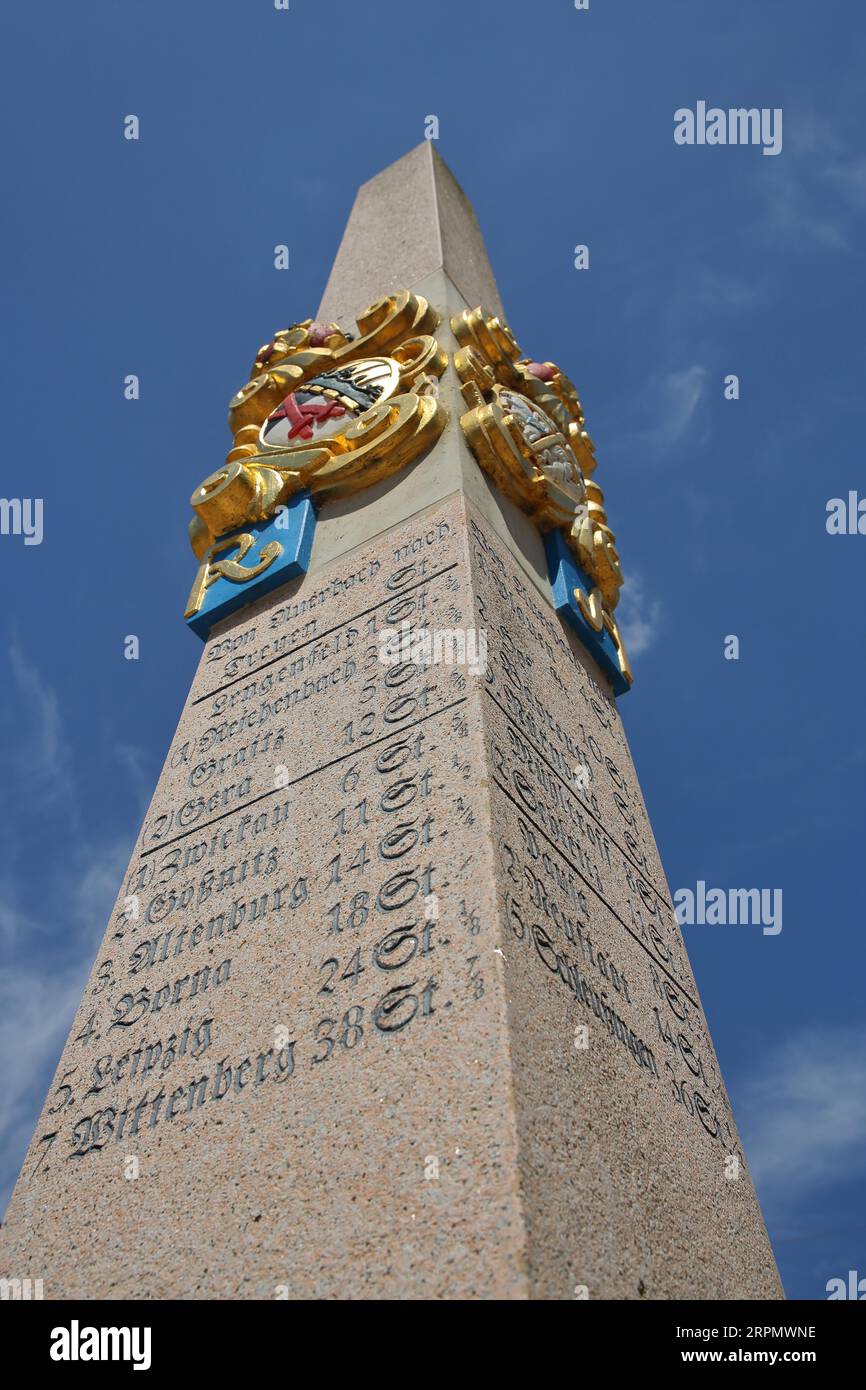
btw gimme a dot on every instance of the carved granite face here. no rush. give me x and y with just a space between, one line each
392 1002
617 1087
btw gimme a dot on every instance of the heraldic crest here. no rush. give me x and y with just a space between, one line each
324 413
526 427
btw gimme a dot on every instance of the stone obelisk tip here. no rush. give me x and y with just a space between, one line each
408 222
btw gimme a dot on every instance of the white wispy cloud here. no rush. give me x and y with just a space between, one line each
849 176
681 394
14 923
803 1114
638 616
138 765
671 409
36 1009
94 890
49 939
38 753
815 195
795 215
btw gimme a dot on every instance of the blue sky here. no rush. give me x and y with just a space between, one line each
156 258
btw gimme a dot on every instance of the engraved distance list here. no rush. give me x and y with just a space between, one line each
146 1041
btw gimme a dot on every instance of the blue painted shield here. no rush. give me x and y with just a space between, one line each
565 576
251 562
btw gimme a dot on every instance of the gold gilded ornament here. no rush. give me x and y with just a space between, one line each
234 570
598 615
526 427
327 411
527 456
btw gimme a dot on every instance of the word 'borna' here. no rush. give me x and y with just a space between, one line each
736 126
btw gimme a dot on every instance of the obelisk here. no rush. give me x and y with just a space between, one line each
393 1003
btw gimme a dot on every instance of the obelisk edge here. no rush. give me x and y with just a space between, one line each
406 223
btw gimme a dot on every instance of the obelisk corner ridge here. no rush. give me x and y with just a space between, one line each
407 222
